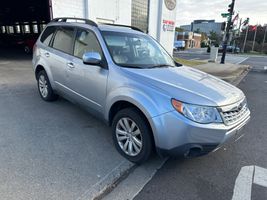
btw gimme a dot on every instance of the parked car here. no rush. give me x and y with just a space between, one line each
179 45
123 76
25 42
28 45
230 49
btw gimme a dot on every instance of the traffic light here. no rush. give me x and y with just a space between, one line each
246 22
231 25
223 26
231 8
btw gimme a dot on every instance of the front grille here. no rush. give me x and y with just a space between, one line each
235 114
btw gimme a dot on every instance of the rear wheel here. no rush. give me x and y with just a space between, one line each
132 136
44 87
27 50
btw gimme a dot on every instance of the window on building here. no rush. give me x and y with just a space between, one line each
35 28
27 28
63 39
3 29
140 14
10 29
17 27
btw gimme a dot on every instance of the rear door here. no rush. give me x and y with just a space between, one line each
61 55
87 82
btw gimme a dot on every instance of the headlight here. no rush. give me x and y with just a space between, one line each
196 113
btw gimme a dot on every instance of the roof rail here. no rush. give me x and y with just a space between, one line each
132 27
64 19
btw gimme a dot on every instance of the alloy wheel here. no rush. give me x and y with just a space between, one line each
43 86
129 136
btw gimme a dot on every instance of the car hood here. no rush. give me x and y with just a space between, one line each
188 85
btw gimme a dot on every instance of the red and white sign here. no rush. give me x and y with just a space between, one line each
168 25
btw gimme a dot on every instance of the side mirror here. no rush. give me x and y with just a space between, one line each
92 58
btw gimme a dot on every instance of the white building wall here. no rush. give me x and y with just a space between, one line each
68 8
153 18
167 37
110 11
119 12
157 13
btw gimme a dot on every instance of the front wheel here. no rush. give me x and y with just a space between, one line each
132 136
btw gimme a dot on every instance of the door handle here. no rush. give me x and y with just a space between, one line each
70 65
47 54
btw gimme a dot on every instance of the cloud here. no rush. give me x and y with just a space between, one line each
189 10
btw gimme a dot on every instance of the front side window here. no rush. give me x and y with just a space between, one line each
86 41
47 35
136 50
63 39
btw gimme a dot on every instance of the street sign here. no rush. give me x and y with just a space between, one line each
224 15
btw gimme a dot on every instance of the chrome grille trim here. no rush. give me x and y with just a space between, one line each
235 114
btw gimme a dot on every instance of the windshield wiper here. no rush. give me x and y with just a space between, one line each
131 66
161 65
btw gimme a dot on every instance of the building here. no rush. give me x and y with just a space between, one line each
156 17
192 40
204 26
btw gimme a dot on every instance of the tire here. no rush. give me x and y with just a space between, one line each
44 87
140 136
27 50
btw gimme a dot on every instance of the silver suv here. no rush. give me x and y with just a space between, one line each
123 76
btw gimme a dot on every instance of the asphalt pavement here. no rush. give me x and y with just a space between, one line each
49 150
258 62
218 175
58 151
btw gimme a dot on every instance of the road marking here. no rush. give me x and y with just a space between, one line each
260 176
243 184
247 176
194 59
242 60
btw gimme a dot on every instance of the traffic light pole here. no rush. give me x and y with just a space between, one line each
229 23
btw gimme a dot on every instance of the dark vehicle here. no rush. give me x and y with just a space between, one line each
230 49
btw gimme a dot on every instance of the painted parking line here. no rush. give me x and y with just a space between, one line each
243 184
260 176
195 59
242 60
247 176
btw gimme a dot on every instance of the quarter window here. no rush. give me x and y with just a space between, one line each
86 41
47 35
63 39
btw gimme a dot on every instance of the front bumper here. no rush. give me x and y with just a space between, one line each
178 136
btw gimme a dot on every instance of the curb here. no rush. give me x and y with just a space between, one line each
108 182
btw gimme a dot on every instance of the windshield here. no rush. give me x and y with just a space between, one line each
134 50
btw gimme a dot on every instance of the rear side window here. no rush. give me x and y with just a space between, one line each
63 39
47 35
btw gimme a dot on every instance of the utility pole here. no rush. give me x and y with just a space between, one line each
263 42
229 26
254 38
245 23
245 40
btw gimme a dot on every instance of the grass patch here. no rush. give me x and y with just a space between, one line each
254 53
190 63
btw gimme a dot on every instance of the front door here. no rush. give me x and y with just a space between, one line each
87 82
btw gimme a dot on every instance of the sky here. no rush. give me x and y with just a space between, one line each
189 10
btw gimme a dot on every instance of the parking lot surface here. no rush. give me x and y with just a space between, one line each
49 150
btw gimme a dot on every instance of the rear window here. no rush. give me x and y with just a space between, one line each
47 35
63 40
